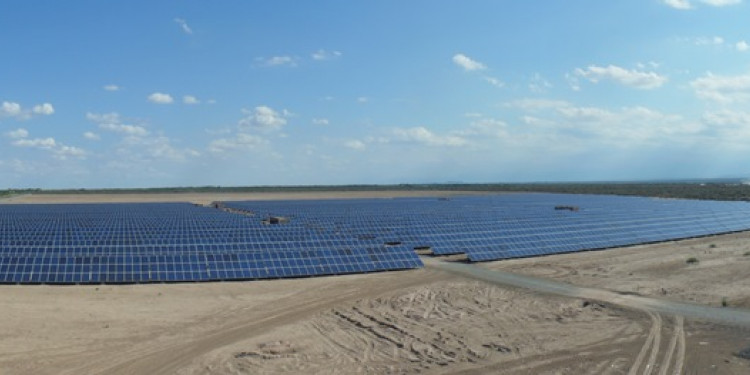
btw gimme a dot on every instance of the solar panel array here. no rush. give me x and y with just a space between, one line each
167 242
505 226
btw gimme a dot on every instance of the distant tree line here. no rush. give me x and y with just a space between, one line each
734 191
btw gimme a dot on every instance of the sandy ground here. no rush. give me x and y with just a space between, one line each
206 198
418 321
721 272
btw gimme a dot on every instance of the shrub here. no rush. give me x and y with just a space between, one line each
692 260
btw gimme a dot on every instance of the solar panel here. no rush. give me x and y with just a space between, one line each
171 242
505 226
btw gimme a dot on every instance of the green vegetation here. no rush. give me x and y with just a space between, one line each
747 253
716 190
692 260
712 246
724 302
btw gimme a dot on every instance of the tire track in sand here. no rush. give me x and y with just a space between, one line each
652 342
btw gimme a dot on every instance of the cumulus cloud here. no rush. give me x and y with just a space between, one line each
424 136
263 118
18 133
91 136
44 109
58 150
241 141
721 3
159 147
631 78
494 81
10 109
742 46
277 61
467 63
539 84
707 41
679 4
111 88
189 99
63 152
535 104
45 143
131 130
14 110
112 122
355 145
183 25
722 89
321 55
686 4
160 98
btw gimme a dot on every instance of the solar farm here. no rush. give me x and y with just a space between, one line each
361 282
179 242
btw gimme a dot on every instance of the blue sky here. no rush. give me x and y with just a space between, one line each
178 93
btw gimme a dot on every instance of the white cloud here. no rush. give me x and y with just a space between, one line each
63 152
112 122
161 147
322 55
160 98
742 46
424 136
263 118
494 81
242 141
363 99
189 99
707 41
277 61
91 136
679 4
44 109
18 133
44 143
467 63
131 130
320 121
12 109
721 3
630 78
355 145
686 4
183 25
726 117
111 88
537 104
539 84
486 127
722 89
573 82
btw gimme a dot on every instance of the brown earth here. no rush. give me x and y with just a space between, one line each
419 321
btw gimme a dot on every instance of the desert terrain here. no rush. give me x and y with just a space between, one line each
427 321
